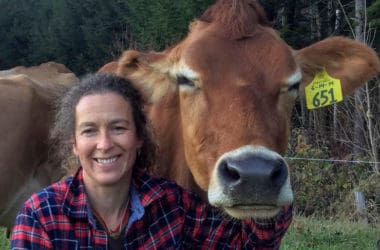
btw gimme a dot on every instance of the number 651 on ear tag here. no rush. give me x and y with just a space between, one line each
323 91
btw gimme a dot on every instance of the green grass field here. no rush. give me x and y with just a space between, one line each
311 233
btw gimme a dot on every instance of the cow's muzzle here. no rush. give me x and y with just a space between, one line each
250 178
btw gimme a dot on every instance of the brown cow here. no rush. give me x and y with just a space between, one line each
222 99
26 98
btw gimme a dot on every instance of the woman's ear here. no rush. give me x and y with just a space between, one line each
74 146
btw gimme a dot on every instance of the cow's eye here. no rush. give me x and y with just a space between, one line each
290 89
184 81
294 88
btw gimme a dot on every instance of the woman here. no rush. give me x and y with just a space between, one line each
111 203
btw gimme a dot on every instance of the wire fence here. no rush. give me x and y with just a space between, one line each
332 160
366 208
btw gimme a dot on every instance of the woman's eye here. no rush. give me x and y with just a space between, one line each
87 132
119 129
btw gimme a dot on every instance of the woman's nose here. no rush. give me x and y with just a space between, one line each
105 142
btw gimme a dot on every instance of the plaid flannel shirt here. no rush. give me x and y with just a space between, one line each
163 216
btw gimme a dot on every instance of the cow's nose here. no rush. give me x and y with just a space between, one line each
257 176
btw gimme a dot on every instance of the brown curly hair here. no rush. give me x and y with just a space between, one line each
63 129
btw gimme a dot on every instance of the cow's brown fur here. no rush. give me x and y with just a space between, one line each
237 19
26 104
45 74
241 71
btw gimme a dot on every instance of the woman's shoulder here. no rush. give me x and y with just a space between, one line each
53 194
153 182
162 187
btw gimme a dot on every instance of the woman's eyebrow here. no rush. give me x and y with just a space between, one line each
86 124
120 121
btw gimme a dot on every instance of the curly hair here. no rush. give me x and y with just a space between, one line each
63 129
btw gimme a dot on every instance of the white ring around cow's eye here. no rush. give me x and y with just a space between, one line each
184 81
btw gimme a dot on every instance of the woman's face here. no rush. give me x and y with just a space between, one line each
105 139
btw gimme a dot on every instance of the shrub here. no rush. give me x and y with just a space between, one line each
326 188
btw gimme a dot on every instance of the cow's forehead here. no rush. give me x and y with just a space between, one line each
263 58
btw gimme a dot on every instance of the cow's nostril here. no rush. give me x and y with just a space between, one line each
278 175
229 173
233 173
277 172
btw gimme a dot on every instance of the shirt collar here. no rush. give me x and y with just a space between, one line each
75 201
144 191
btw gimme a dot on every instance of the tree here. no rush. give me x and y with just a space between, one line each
158 24
86 34
14 31
374 13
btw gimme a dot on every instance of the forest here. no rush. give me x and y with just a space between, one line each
343 140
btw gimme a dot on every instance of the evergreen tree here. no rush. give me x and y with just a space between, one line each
15 25
157 24
374 13
86 34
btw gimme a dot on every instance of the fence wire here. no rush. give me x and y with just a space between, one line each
332 160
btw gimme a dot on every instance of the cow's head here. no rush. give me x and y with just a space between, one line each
236 83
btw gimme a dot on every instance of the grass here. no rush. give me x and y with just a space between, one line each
312 233
4 242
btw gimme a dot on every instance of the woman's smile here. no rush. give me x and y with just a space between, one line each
106 161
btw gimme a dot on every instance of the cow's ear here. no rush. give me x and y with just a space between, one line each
110 67
149 72
345 59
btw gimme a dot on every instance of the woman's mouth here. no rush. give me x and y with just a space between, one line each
106 160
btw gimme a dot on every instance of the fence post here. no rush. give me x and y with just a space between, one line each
360 206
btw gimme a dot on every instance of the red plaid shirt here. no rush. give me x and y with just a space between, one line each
163 216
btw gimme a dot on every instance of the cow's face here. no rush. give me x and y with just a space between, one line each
235 99
234 113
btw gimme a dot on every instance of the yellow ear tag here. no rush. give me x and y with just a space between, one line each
323 91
